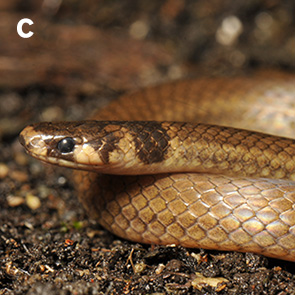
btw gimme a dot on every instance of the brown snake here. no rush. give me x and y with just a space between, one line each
244 198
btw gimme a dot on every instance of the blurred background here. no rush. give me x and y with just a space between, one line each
84 48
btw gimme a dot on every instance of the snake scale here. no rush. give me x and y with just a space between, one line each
189 180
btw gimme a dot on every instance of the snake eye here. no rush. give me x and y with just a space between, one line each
66 145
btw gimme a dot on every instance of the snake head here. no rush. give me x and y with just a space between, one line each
113 147
85 145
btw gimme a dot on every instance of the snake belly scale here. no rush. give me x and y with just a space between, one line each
188 180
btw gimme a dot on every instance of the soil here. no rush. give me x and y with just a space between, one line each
82 55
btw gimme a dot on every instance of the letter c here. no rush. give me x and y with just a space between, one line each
20 28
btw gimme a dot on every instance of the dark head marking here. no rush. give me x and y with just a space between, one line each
151 141
66 145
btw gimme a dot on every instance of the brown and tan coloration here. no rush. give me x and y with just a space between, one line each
229 207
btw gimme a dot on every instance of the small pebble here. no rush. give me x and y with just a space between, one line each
33 202
19 176
160 268
21 158
14 201
52 114
139 267
3 170
200 281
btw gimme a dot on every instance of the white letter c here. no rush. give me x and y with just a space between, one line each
20 28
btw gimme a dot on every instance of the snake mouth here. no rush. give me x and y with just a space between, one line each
98 168
60 162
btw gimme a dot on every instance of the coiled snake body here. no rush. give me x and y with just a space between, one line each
203 185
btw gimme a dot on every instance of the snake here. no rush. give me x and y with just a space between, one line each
202 163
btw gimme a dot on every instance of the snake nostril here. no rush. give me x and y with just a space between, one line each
66 145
